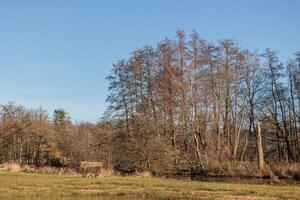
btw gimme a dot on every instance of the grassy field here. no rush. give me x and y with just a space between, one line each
14 186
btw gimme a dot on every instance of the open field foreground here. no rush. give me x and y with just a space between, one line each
39 186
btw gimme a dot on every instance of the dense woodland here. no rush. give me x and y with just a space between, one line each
184 105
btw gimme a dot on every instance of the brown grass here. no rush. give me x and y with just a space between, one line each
286 170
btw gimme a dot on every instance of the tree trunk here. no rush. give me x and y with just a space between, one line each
261 159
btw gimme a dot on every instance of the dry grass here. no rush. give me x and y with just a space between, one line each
12 167
286 170
30 186
143 174
15 167
106 172
242 169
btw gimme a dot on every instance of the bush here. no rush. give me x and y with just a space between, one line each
286 170
242 169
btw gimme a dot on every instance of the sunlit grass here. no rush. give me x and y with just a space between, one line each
14 186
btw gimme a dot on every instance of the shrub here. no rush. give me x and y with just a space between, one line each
242 169
286 170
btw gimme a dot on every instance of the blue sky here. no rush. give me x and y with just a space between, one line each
57 53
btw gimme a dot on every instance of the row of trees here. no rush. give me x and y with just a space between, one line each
185 104
188 103
32 137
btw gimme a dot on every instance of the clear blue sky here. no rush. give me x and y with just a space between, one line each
57 53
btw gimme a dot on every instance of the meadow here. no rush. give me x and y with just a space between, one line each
33 186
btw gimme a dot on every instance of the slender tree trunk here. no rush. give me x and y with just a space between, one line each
261 159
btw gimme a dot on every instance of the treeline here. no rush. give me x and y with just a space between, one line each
31 137
185 105
190 104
